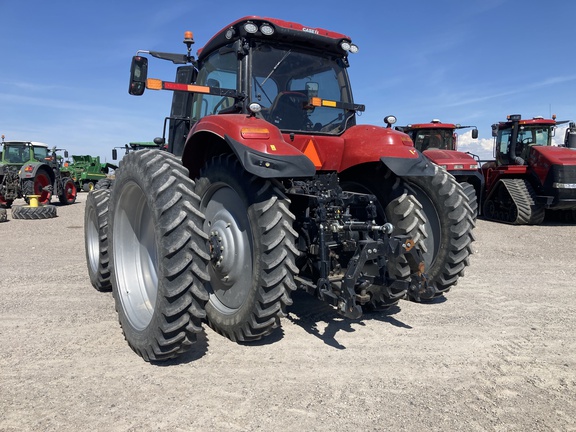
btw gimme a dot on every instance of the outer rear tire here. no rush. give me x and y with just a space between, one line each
157 255
253 250
449 226
30 213
96 239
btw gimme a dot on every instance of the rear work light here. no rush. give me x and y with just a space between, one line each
266 29
250 27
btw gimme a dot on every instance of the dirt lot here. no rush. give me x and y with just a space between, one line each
499 354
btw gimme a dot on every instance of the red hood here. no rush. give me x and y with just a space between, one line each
553 155
452 160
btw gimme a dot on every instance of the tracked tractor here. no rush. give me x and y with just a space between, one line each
268 185
529 175
438 141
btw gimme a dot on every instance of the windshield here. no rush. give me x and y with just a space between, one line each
534 135
527 137
18 154
284 80
425 139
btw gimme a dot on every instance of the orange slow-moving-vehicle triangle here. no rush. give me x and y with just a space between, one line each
312 154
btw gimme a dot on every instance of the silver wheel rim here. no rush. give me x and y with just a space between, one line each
230 241
93 240
135 256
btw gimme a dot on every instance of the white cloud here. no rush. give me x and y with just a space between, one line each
482 147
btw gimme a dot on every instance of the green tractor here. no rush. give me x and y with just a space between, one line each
87 171
15 155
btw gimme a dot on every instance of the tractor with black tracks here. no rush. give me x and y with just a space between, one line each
268 185
529 176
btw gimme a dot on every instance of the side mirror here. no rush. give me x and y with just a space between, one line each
494 130
474 133
312 89
114 154
138 75
66 153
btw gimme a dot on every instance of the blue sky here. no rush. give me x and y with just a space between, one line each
64 65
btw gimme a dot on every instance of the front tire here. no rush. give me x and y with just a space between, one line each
157 255
252 245
96 239
68 192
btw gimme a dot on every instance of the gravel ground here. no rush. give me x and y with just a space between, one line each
498 353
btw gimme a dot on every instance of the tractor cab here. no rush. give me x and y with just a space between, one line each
435 135
514 138
293 78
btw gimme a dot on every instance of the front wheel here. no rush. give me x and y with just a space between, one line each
67 193
252 250
157 255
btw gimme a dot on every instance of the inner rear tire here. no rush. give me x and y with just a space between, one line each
157 255
400 209
252 250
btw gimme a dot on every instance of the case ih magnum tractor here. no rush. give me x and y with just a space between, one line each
439 142
268 185
529 175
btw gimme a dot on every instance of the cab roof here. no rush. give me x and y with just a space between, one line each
32 143
283 31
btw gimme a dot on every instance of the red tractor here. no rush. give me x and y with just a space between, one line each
268 185
529 175
439 142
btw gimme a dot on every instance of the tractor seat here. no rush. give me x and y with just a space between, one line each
287 111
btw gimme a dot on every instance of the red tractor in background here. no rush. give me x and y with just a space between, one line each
268 185
529 175
439 142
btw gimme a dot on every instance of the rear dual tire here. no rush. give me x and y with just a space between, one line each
157 255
